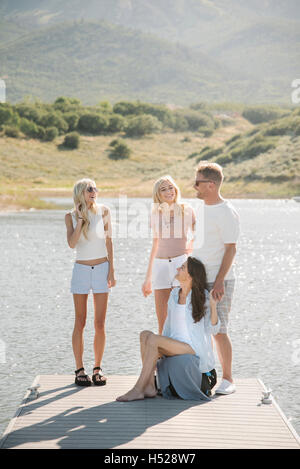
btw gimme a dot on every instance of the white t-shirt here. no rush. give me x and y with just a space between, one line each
216 225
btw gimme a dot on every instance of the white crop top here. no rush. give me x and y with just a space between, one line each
94 247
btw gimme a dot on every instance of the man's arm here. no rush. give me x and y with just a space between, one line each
218 288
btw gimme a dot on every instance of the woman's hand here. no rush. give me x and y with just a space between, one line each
212 299
147 288
111 282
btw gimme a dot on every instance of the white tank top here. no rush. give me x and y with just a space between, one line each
94 247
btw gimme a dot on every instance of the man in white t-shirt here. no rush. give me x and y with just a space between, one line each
218 228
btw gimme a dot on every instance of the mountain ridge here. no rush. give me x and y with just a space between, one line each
257 44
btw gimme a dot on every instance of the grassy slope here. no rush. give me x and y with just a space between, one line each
30 169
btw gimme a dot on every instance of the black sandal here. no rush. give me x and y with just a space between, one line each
98 382
82 380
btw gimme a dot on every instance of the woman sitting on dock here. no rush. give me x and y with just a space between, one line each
89 231
183 354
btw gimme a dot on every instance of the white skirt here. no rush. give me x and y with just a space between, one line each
164 271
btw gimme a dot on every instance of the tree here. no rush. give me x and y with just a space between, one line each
142 125
93 123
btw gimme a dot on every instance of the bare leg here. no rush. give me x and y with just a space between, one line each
154 347
80 304
150 390
224 350
161 306
100 307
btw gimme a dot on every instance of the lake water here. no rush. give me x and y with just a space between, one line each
37 309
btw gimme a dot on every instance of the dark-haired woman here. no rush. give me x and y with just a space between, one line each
186 369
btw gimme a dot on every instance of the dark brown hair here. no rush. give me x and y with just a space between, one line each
199 283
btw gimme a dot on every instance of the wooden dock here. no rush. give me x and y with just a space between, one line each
66 416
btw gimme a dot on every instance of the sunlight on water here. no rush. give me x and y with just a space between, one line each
37 308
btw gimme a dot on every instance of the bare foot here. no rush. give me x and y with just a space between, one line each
132 395
150 391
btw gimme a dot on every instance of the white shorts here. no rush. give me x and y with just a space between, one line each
87 277
164 271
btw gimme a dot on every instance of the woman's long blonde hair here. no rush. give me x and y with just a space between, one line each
78 197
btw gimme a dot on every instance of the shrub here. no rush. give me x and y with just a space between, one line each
124 108
40 132
206 132
162 113
210 153
205 149
64 104
54 119
280 128
233 139
259 114
252 149
29 111
223 160
11 131
196 119
115 142
226 121
30 128
71 140
192 155
93 123
71 119
179 123
6 113
50 134
297 129
120 151
197 106
116 123
186 139
142 125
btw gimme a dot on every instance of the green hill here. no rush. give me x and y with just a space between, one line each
268 153
95 61
253 45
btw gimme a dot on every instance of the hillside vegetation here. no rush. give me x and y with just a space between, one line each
94 61
259 159
177 51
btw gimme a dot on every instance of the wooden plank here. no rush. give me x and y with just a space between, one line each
65 416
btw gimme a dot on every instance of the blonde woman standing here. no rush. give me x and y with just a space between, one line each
171 223
89 231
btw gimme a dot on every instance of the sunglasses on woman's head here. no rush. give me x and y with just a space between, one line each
92 189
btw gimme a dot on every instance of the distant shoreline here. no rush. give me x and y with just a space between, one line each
16 208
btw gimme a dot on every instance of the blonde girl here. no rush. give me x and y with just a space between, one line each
171 223
89 232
